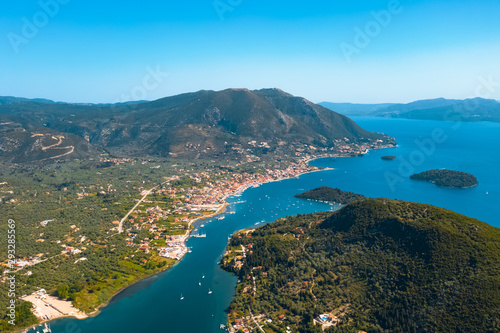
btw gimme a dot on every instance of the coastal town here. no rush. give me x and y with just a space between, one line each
205 199
161 220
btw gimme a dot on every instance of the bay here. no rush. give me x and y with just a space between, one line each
154 305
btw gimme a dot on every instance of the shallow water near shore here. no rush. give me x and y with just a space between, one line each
154 305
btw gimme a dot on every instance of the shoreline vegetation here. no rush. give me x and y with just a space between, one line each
375 265
303 167
447 178
80 315
330 195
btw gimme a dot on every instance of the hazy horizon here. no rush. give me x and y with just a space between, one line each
187 92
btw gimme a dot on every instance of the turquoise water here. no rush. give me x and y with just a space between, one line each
154 305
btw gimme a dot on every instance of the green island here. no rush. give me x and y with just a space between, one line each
388 158
376 265
328 194
447 178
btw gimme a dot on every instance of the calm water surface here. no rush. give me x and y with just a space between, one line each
154 305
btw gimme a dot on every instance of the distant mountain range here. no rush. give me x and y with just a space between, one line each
469 110
205 124
352 109
11 99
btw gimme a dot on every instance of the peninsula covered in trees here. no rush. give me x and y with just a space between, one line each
447 178
376 265
330 194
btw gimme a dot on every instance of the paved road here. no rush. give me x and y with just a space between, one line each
120 226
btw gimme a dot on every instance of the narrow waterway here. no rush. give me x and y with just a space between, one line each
154 305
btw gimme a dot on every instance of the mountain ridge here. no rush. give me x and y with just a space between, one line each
468 110
211 124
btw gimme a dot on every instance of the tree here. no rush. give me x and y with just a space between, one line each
62 291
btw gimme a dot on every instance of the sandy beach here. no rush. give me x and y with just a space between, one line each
49 307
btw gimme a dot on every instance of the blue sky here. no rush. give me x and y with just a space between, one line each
105 51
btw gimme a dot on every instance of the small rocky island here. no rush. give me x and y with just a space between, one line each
329 194
447 178
388 158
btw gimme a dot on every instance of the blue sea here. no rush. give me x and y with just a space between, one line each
154 305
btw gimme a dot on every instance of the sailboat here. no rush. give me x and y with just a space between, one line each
203 277
199 283
182 297
209 291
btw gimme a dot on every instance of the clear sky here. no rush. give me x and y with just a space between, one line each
335 50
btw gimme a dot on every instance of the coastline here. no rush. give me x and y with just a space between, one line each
221 210
97 311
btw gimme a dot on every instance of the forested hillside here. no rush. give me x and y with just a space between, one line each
329 194
221 125
375 265
447 178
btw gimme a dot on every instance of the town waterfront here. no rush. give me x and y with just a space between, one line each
154 304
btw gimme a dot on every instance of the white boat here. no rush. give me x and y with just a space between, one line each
46 329
199 283
182 297
209 291
203 276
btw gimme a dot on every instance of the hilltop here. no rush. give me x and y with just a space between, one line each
232 124
376 265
